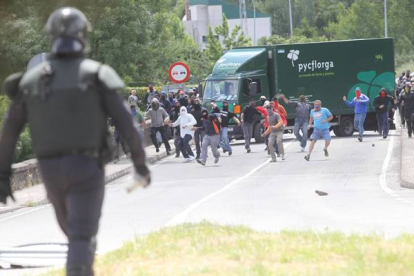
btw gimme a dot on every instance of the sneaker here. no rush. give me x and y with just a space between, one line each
326 152
266 148
409 135
168 152
216 160
273 161
186 160
157 150
384 137
283 157
230 153
177 155
199 161
248 150
302 150
307 157
224 151
360 139
191 158
278 155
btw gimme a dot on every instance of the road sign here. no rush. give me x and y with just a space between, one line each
179 72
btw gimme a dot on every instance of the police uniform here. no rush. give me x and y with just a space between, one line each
66 101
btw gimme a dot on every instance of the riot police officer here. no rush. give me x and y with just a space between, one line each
66 101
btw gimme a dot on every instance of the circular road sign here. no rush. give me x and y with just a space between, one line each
179 72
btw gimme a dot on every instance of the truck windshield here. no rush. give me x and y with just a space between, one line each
221 90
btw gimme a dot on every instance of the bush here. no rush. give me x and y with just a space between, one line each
24 150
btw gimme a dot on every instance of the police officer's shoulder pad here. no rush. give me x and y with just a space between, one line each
110 79
11 85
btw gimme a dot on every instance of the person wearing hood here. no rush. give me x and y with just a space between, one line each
182 98
165 102
275 130
381 104
186 122
226 116
196 111
211 126
247 120
159 117
302 110
360 104
405 90
407 101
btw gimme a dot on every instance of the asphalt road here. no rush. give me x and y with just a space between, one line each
361 179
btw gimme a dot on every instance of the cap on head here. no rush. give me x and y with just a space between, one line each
262 97
163 92
358 89
69 29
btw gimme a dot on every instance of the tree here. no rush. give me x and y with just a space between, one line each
214 50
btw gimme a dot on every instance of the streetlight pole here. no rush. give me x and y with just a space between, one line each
290 17
385 19
254 23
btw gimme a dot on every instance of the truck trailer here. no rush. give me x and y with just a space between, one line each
324 71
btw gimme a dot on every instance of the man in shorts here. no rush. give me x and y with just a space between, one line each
321 117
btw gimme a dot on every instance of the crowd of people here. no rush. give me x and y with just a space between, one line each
404 94
181 116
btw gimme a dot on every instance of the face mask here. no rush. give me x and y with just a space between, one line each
317 107
263 101
183 111
382 94
270 111
204 116
358 94
162 97
225 107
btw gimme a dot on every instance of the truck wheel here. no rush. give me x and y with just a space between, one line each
346 127
336 131
257 132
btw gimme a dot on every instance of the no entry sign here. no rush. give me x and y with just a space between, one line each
179 72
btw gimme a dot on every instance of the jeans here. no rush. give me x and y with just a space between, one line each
212 140
185 147
161 130
359 123
248 133
301 124
274 145
177 139
278 138
198 138
224 139
383 123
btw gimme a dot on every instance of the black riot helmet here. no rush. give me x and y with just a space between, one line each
69 29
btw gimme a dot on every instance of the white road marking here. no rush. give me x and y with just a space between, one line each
25 213
181 217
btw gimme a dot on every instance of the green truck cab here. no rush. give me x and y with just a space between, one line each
323 71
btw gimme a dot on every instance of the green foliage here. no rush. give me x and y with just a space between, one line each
275 39
230 40
24 150
4 102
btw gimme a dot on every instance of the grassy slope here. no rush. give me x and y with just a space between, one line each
207 249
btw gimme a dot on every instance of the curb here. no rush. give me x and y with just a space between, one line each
404 167
108 179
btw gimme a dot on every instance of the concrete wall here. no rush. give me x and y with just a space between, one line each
27 174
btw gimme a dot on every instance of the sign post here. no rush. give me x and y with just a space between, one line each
179 72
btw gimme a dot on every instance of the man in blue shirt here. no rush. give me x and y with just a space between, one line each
320 117
360 104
